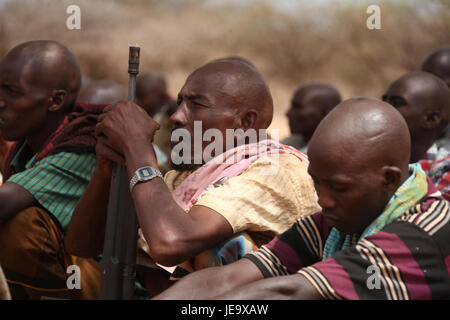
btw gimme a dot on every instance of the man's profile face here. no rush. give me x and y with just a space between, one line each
349 193
203 98
22 103
304 114
406 96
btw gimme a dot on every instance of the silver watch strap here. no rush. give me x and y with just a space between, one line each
150 173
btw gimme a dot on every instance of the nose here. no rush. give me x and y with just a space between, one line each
180 117
326 201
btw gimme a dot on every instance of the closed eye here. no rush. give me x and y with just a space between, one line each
199 104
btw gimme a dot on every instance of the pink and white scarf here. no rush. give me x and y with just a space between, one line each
229 164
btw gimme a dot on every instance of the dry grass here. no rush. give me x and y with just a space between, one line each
326 43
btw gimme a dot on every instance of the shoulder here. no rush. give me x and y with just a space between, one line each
67 164
431 215
278 164
67 159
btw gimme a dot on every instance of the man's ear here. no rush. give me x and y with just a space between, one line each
391 178
432 120
57 100
249 119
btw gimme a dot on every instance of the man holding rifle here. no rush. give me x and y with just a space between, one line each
206 213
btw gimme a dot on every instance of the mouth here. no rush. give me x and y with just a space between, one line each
332 219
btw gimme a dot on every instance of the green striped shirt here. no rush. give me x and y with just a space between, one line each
57 181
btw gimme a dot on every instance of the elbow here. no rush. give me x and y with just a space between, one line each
168 251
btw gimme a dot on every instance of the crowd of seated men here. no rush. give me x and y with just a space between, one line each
360 184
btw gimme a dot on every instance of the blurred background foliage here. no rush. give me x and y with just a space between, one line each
290 43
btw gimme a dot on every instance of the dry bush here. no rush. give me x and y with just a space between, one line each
371 59
327 42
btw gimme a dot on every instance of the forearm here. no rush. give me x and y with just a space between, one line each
86 231
211 282
295 287
157 210
169 231
13 199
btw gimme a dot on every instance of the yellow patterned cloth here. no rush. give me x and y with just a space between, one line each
267 204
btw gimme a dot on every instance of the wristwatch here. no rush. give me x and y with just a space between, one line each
144 174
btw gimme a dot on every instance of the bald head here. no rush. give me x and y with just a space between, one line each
48 64
359 157
438 63
151 91
237 59
151 81
424 101
309 105
326 95
103 92
240 86
366 132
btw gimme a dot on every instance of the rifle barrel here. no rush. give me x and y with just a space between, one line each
119 253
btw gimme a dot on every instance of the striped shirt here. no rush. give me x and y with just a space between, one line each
57 181
408 259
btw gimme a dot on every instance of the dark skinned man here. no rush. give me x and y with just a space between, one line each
46 169
151 92
438 63
103 92
424 102
383 232
309 105
239 200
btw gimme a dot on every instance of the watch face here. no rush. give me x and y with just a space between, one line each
145 172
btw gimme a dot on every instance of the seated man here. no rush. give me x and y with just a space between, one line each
383 232
151 92
438 63
46 170
309 105
108 92
103 92
244 199
424 101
